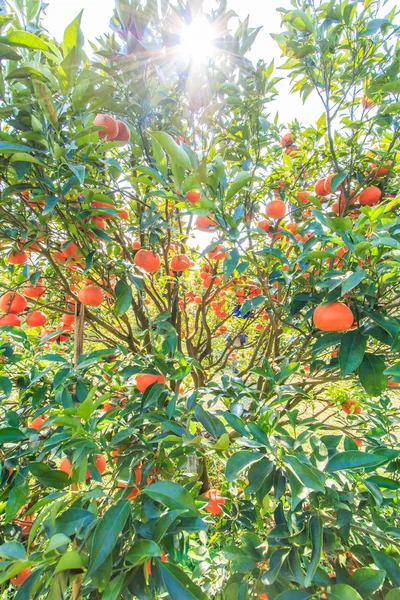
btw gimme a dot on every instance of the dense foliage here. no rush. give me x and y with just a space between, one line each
215 421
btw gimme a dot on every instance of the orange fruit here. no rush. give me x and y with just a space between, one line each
216 253
286 140
370 196
181 262
215 503
136 245
144 380
91 295
147 260
327 184
36 319
34 291
275 209
319 188
193 196
12 302
206 223
10 321
110 126
123 134
101 463
17 258
38 422
303 196
333 317
19 579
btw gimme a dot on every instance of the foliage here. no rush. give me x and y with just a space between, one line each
263 459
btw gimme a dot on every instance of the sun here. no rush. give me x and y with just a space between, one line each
197 41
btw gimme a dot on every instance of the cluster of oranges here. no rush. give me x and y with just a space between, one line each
112 129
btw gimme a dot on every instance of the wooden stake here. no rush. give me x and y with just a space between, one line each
79 331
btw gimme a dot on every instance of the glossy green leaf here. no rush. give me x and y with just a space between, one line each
49 477
351 352
353 459
172 149
12 551
172 495
25 39
372 374
343 592
239 461
242 179
142 550
179 585
69 560
231 262
106 534
307 475
316 529
123 301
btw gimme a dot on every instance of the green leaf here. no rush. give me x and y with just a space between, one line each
123 301
393 594
179 585
213 425
353 280
142 550
338 180
11 434
26 40
308 476
353 459
372 374
367 581
106 534
8 146
69 560
252 303
172 495
8 53
387 563
5 386
172 149
49 477
241 180
343 592
152 173
257 474
275 564
13 551
351 352
316 529
73 36
16 499
79 172
231 262
239 461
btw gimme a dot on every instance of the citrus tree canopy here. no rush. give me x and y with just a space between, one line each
199 307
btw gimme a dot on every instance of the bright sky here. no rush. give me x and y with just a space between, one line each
97 14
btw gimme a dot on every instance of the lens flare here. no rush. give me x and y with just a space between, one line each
197 41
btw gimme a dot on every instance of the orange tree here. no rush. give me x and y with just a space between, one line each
199 423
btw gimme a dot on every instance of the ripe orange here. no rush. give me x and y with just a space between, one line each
34 291
67 319
333 317
303 196
136 245
65 466
148 260
319 188
123 214
17 258
380 171
68 248
287 140
38 422
12 302
216 501
265 225
91 295
206 223
350 407
36 319
216 253
110 126
193 196
99 204
19 579
101 463
10 320
275 209
370 196
327 184
144 380
123 134
181 262
263 595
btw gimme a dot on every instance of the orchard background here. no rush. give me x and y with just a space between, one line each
217 421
